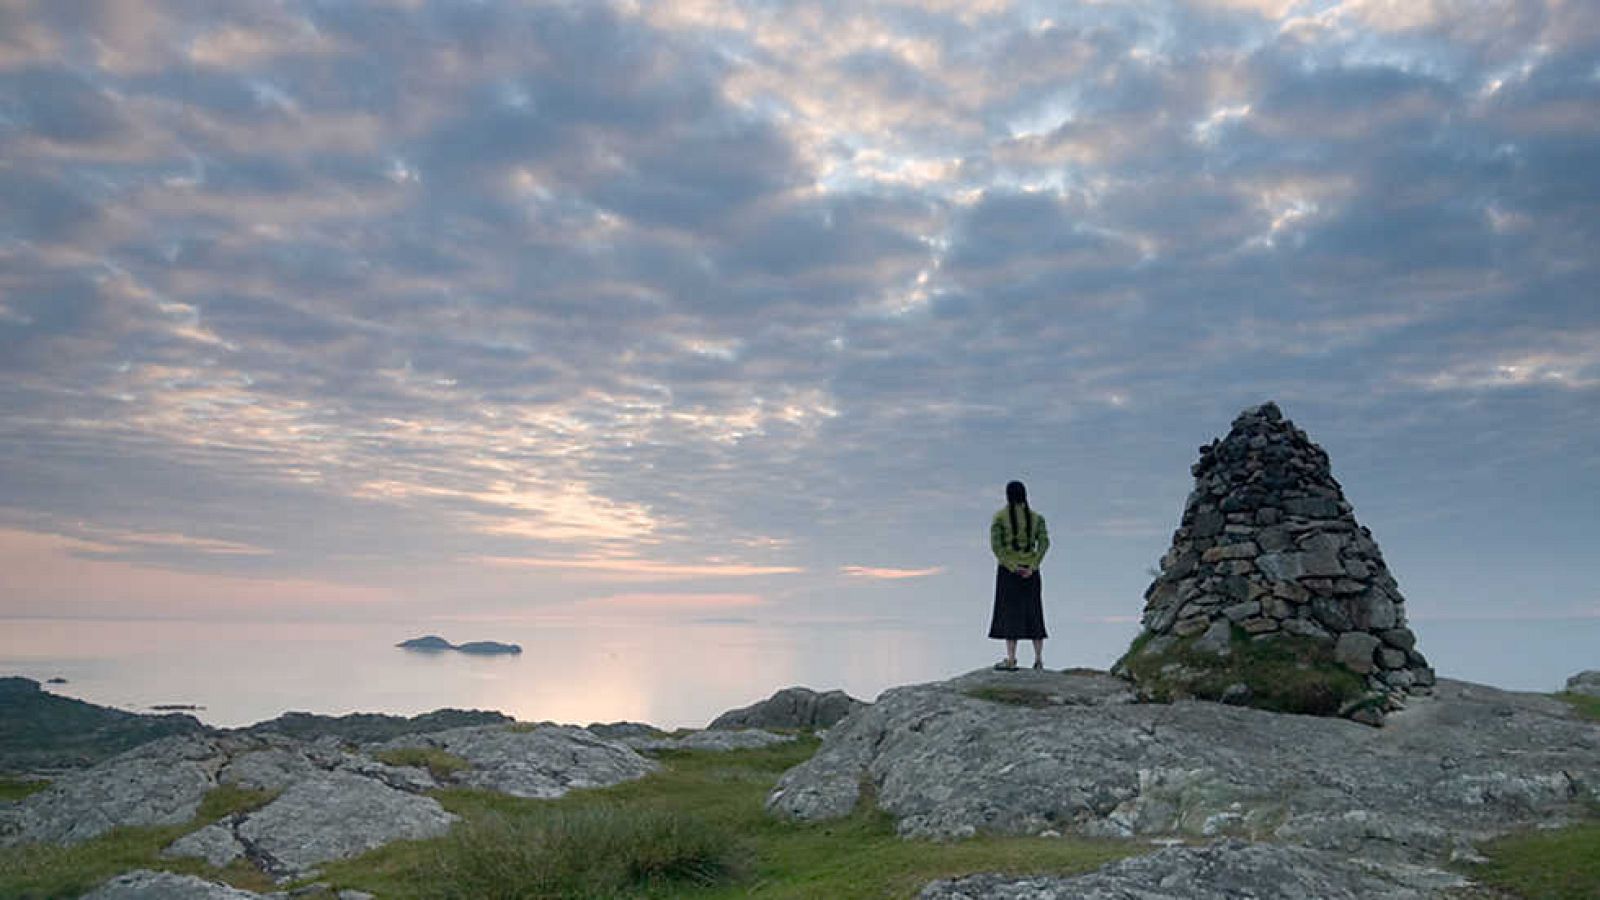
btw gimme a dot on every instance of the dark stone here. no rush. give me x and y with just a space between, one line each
1237 587
1274 539
1207 524
1311 507
1401 638
1332 613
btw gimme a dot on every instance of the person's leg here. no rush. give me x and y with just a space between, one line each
1038 652
1011 650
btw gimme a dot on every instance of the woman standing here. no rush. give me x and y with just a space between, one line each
1019 541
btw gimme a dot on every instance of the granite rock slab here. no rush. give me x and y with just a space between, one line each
543 762
159 783
1469 763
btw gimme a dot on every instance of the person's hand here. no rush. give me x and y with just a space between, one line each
1025 572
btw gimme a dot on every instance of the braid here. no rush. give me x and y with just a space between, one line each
1011 513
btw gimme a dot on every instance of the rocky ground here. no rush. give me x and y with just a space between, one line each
1271 805
1053 753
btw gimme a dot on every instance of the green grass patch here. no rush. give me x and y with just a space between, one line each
1288 673
14 789
1558 864
440 764
38 871
1587 706
696 828
1011 696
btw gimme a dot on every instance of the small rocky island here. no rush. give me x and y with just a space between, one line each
434 644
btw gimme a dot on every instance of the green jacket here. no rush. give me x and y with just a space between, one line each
1002 545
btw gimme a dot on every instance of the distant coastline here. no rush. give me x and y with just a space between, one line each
432 643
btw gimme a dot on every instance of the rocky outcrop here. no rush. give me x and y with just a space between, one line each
326 800
45 731
1269 549
1227 870
542 761
366 728
160 783
712 741
795 707
952 759
335 815
1586 682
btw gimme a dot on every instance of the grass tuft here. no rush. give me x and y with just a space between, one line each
584 852
1586 705
1557 864
14 789
1289 673
1011 696
439 763
228 799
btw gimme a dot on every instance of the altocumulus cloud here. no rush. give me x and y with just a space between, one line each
690 292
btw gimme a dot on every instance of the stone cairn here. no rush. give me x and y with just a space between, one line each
1269 544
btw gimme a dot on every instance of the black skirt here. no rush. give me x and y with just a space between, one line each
1018 607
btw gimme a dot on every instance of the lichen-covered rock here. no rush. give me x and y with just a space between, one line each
144 884
216 844
159 783
948 761
718 741
1269 549
335 815
794 707
544 761
1224 871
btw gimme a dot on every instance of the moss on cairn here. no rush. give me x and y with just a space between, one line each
1282 673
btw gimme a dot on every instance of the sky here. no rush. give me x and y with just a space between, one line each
719 312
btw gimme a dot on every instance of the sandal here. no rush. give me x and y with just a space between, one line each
1006 665
1038 665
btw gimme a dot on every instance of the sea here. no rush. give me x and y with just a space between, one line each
671 675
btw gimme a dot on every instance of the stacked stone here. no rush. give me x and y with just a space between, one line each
1269 543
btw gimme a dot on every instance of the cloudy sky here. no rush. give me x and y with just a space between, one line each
746 311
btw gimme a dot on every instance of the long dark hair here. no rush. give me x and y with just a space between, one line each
1017 495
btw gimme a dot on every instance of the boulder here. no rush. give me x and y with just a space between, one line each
616 731
541 761
1461 766
794 707
1227 870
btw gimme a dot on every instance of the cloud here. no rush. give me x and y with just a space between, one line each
889 574
670 292
641 569
675 603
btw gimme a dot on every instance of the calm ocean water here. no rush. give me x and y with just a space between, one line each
669 675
